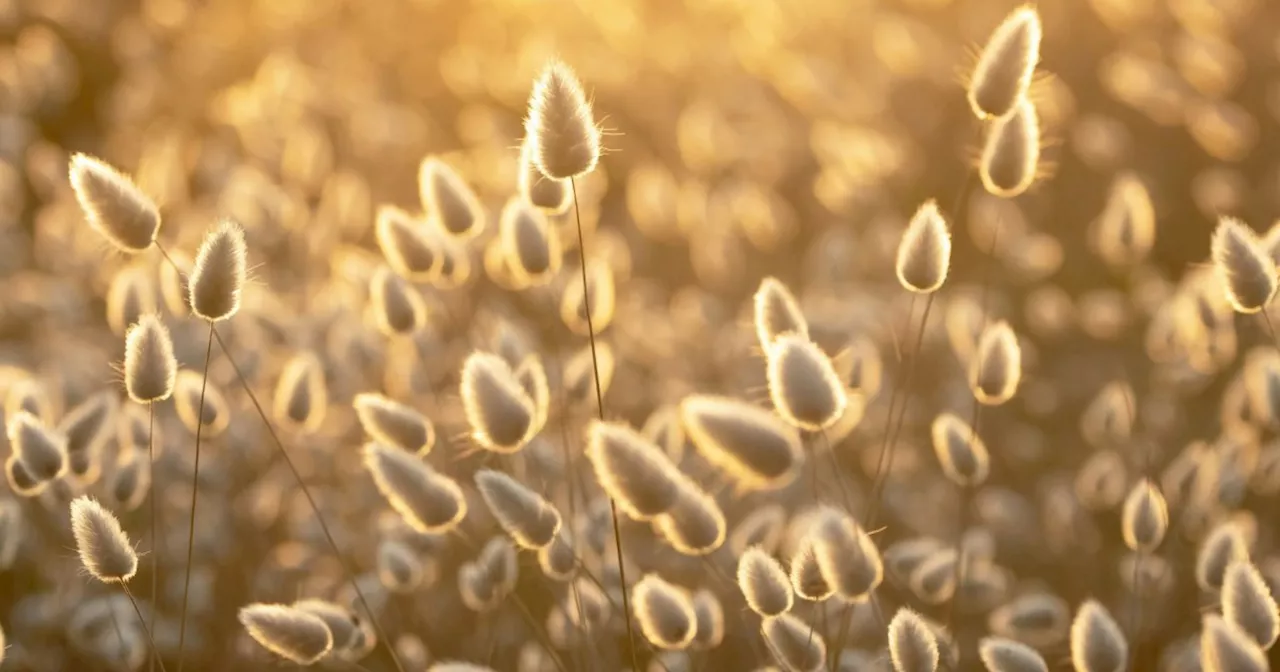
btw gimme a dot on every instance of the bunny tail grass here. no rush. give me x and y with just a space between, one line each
195 489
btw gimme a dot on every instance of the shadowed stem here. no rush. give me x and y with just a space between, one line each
966 503
195 490
595 371
155 546
155 652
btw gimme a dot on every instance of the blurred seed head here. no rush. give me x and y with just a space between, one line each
1011 154
1008 61
665 613
1247 603
1097 643
86 428
398 307
130 479
1100 483
30 395
960 451
173 283
115 207
753 446
1223 545
996 367
797 647
579 377
218 275
394 424
807 578
295 635
41 451
130 296
150 368
1223 646
301 397
448 200
557 559
529 243
104 548
902 558
21 482
635 473
414 253
500 412
709 632
560 130
847 557
399 568
539 191
1107 422
530 519
999 654
776 312
1036 619
924 253
343 625
601 295
533 379
694 525
663 428
1145 518
428 501
762 527
1244 269
1125 232
912 644
186 401
764 583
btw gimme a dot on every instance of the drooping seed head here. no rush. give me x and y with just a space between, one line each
1224 647
960 451
529 243
560 130
1247 603
218 276
538 190
398 307
1003 72
602 295
130 296
1145 518
1097 643
1126 231
1011 154
394 424
695 525
343 624
1245 270
186 401
996 367
414 253
103 546
293 634
999 654
428 501
635 473
802 383
764 583
913 647
750 444
301 397
847 557
525 515
150 368
113 205
762 527
794 643
500 412
127 487
448 199
807 579
1223 545
776 312
41 451
924 253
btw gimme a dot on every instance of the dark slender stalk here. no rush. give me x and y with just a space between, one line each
155 545
537 631
957 576
897 383
195 490
155 652
595 370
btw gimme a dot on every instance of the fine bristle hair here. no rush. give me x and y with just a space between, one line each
393 423
764 583
913 646
427 500
1005 67
412 251
1245 270
603 294
113 205
218 275
301 396
1097 643
1011 154
103 546
750 444
538 190
130 296
794 644
563 139
398 308
529 518
498 409
924 253
709 631
776 312
529 243
996 367
665 613
695 525
999 654
186 401
41 450
1247 603
150 367
1125 232
635 473
343 624
293 634
1226 648
847 557
802 383
807 579
448 200
961 453
1145 517
127 487
1223 545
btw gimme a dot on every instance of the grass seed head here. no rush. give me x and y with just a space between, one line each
218 275
301 397
113 205
1107 421
1008 61
1223 545
400 569
563 139
750 444
795 644
1145 518
933 580
776 312
343 624
803 384
525 515
529 243
602 293
87 427
104 547
847 557
427 500
635 473
762 527
41 450
1126 231
1011 154
709 632
960 451
665 613
186 401
1226 648
130 296
557 560
448 200
999 654
21 482
1245 270
996 367
398 307
150 367
764 583
413 252
533 379
127 487
1037 619
807 579
538 190
293 634
1097 643
500 412
1247 603
695 525
913 647
394 424
924 253
174 289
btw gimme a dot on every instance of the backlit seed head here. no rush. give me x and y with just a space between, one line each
1003 72
924 253
30 395
1011 154
525 515
529 243
150 368
301 397
764 583
960 451
398 307
1145 518
595 607
186 401
579 379
1244 269
796 646
1223 545
113 205
1226 648
563 139
913 646
710 616
448 200
776 312
633 471
664 612
130 479
412 251
343 625
173 283
999 654
558 560
41 450
295 635
847 557
130 296
533 379
1126 231
695 525
104 548
394 424
996 367
603 299
21 482
807 579
903 558
87 427
399 568
500 412
762 527
427 500
218 276
1097 643
1107 421
802 383
538 190
750 444
933 580
1247 603
1037 619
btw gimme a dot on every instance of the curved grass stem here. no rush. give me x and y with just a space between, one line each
195 490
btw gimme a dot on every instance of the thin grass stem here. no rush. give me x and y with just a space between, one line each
195 490
155 651
155 514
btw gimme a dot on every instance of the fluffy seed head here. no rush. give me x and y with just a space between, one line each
343 625
664 612
960 451
1223 545
130 296
710 621
525 515
414 253
633 471
127 488
595 607
1247 603
500 412
913 647
538 190
1011 153
996 367
902 558
933 580
764 583
186 401
217 278
293 634
557 560
1006 655
394 424
1245 270
399 568
848 559
924 254
301 397
1097 643
150 367
750 444
807 579
448 200
398 307
41 451
104 548
529 243
113 205
602 294
803 384
794 643
427 500
1145 518
1126 231
776 313
1003 72
532 377
30 395
21 482
1226 648
695 525
86 428
563 139
485 582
